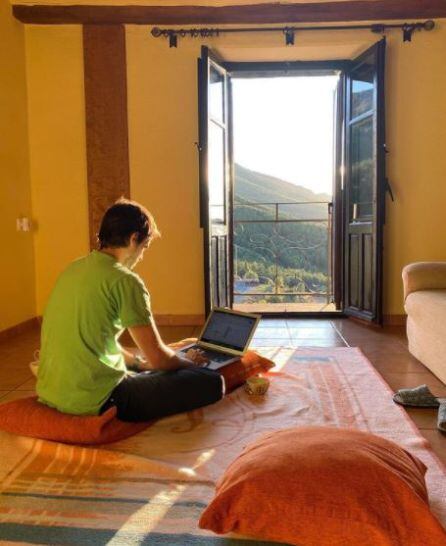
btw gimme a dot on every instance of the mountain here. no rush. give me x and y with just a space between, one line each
287 240
252 188
255 187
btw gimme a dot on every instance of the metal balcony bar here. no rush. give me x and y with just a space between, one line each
276 288
296 221
254 294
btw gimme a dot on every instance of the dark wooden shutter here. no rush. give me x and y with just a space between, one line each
215 179
364 191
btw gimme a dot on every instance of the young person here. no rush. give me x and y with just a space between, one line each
83 369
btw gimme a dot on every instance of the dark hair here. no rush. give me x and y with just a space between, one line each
123 219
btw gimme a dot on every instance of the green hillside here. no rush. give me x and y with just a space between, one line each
283 257
254 187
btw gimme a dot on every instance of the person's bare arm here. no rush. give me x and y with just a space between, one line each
129 355
133 358
158 355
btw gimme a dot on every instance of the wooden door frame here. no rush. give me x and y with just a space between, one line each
269 69
230 144
202 146
338 190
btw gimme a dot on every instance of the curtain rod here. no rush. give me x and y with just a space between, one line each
289 32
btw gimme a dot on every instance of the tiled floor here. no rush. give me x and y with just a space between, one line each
386 348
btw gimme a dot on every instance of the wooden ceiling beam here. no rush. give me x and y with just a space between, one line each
351 10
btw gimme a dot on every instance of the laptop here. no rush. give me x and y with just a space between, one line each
225 337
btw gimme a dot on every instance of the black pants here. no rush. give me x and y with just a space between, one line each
148 395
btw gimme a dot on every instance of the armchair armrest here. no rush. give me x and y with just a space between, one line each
424 276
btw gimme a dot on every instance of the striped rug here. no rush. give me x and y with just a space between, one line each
151 489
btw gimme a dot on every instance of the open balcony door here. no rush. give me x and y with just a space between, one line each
365 185
215 148
336 216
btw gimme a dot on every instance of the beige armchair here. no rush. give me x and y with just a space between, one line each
425 305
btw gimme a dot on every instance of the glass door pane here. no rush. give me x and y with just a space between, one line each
216 175
363 171
363 88
216 94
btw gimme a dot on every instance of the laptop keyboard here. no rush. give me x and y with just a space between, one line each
215 356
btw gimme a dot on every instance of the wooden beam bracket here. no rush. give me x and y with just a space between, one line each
250 14
105 81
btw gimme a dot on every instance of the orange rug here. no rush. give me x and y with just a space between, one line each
150 489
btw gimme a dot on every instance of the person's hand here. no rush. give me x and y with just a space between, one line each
197 357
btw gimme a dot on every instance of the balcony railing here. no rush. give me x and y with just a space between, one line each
282 252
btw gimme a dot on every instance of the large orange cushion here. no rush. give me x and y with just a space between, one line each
28 417
320 486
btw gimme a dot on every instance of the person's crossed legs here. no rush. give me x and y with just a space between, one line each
149 395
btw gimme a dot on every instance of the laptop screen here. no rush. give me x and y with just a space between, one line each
228 330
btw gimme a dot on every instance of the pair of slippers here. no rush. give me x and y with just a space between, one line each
421 397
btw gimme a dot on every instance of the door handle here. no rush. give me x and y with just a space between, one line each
388 189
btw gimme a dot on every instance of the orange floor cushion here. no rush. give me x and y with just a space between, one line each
238 372
314 486
28 417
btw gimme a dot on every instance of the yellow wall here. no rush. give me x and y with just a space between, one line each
163 159
17 287
57 150
163 127
416 134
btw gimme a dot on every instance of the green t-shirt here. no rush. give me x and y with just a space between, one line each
81 361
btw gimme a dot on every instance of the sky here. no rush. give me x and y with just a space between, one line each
284 127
